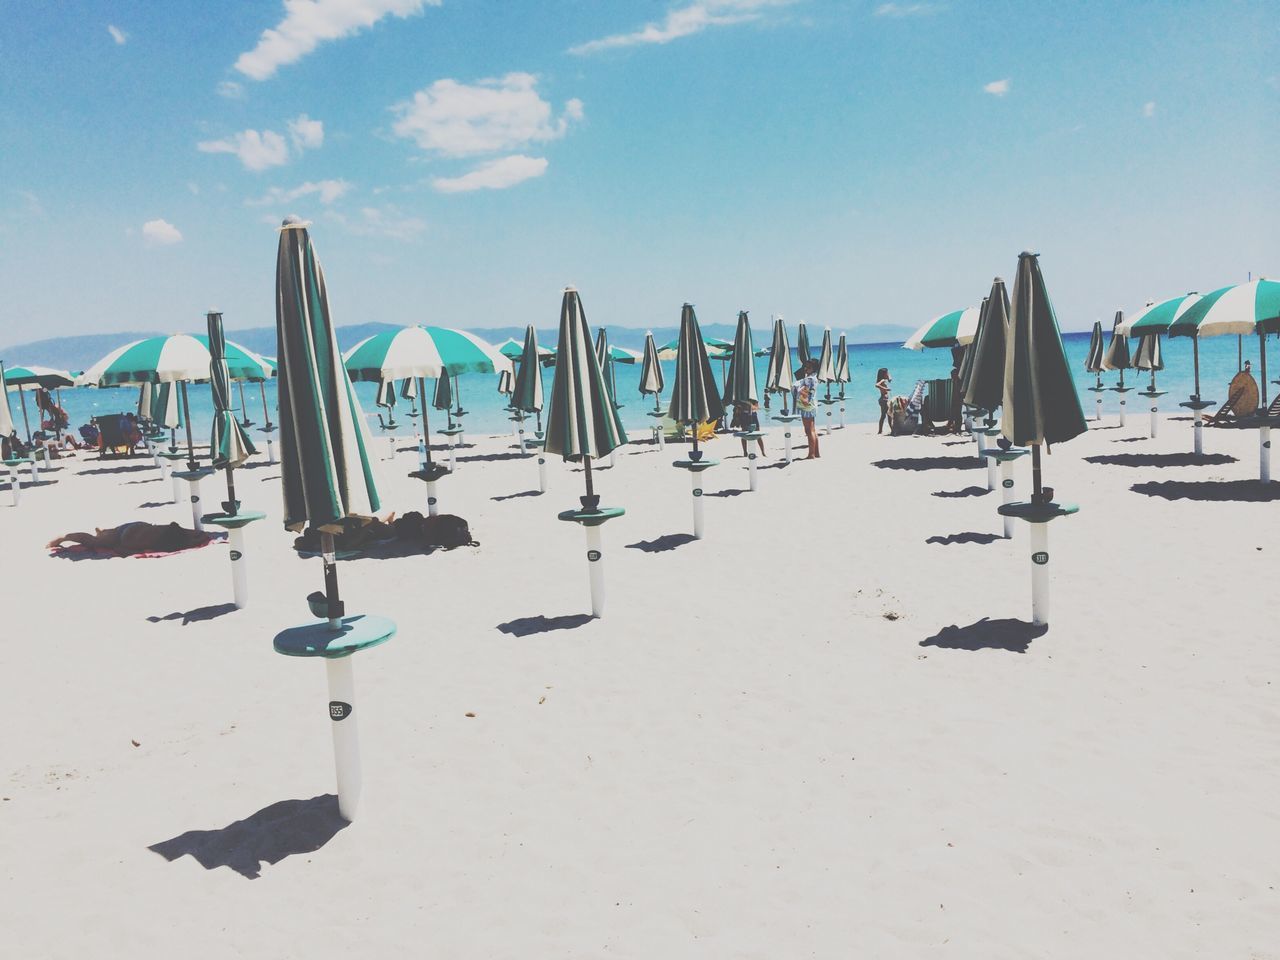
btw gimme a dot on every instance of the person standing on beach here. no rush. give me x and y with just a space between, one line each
806 398
746 417
882 384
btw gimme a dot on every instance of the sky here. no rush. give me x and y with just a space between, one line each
831 161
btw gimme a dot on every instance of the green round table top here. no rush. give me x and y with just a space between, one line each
432 472
450 431
989 431
356 632
1098 389
656 413
697 466
199 473
233 521
591 518
171 454
1152 393
17 461
1000 456
748 434
267 429
1197 404
786 417
1036 512
534 441
1122 389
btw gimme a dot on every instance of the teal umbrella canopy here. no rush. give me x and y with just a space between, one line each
740 381
651 378
7 429
527 391
1093 360
954 329
1241 308
229 444
582 423
1041 405
325 470
422 352
181 356
1158 317
694 398
986 378
47 377
779 377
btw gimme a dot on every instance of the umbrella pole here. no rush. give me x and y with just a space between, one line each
334 608
590 501
1264 430
266 427
424 441
193 480
244 410
1037 487
231 505
22 394
186 416
57 423
1197 417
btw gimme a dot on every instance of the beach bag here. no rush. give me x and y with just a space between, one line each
446 531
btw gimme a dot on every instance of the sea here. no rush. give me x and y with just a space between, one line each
1220 359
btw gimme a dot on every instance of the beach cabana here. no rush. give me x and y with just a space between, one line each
651 384
694 401
1040 407
583 426
328 483
1093 364
740 388
1117 359
780 379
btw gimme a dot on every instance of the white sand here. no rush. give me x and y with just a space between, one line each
745 758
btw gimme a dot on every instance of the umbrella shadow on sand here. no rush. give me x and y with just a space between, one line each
155 503
1222 491
663 544
966 492
725 493
513 496
196 615
968 537
128 468
527 626
1014 636
1161 459
931 463
283 829
478 457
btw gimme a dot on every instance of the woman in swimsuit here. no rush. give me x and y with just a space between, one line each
882 384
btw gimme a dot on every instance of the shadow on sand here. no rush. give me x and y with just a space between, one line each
931 463
1161 459
966 492
513 496
725 493
527 626
662 544
130 468
968 537
478 457
1014 636
1222 491
283 829
196 615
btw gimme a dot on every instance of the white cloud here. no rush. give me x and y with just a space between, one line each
685 21
161 232
494 175
230 89
327 191
306 133
257 151
900 10
308 23
997 88
118 35
1149 108
455 119
382 222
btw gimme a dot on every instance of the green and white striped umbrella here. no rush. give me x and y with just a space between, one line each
1093 360
1041 405
165 409
716 349
1148 356
409 389
605 358
145 394
694 398
779 377
826 361
229 444
527 392
7 428
324 460
1242 308
803 352
46 377
740 381
842 363
386 395
269 367
582 423
181 356
422 352
1158 317
651 379
953 329
442 396
1117 355
513 349
986 380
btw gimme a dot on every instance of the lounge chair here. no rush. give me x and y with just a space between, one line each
112 440
904 412
938 402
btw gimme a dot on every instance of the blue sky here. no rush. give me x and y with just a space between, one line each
837 162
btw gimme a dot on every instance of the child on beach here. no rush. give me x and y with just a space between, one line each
882 384
806 397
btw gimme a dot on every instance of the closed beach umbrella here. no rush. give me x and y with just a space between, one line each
1093 360
526 392
651 379
803 353
953 329
165 409
605 359
145 394
409 390
582 423
694 398
971 351
442 397
1147 355
740 382
826 361
779 377
1117 355
505 382
986 380
229 445
842 363
7 428
386 398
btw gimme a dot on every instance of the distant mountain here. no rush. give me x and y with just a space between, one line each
77 353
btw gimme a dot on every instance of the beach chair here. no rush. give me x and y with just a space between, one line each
937 405
904 412
112 440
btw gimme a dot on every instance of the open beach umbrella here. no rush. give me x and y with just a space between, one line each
694 398
181 356
582 423
953 329
1240 309
422 352
31 376
778 376
986 379
229 445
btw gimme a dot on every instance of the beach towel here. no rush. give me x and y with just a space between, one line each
77 551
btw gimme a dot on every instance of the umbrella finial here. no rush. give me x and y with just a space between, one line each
294 222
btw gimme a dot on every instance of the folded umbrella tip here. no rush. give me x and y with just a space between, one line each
294 222
1027 253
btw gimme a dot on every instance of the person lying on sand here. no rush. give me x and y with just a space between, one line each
137 536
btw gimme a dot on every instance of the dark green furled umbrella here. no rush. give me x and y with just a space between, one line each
1093 364
409 391
582 423
229 444
971 351
803 354
651 379
778 378
608 365
526 393
386 399
1147 355
694 398
1117 355
826 362
325 470
986 379
1041 406
740 381
442 399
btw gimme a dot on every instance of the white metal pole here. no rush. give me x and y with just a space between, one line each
15 485
1039 573
520 438
155 456
542 472
786 440
422 453
271 451
1199 432
1264 454
613 457
1155 418
196 520
827 427
35 470
981 439
841 414
177 488
662 440
595 569
391 439
991 473
432 509
453 463
346 735
239 567
1098 410
1122 404
695 477
751 469
1006 491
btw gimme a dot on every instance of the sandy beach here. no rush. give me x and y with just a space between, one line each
776 743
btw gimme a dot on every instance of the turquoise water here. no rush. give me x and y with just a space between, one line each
480 397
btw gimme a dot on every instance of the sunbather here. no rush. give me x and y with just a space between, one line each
137 536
